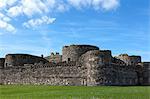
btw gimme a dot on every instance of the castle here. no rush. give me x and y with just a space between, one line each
79 65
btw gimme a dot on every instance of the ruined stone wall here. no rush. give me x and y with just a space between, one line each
107 73
96 63
55 58
118 61
103 56
49 74
2 61
135 60
21 59
146 73
73 52
129 60
125 58
80 65
124 75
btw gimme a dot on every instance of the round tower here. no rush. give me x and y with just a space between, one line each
73 52
96 62
9 60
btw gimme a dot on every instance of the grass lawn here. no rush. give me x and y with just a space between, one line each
73 92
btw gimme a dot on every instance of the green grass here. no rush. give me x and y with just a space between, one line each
73 92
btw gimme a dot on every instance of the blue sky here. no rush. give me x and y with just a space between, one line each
42 26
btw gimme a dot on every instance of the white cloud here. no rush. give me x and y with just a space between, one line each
109 4
51 3
33 8
4 17
6 26
96 4
80 3
15 11
28 8
37 22
4 3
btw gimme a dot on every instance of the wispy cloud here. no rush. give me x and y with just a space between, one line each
4 23
32 8
6 26
37 22
96 4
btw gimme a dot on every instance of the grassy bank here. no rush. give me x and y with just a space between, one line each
73 92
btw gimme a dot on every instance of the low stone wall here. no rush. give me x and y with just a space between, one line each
64 74
21 59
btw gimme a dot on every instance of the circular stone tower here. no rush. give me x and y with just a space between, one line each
73 52
98 67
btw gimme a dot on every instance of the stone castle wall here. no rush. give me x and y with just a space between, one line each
92 74
55 58
145 78
101 70
135 60
21 59
129 60
80 65
73 52
2 61
49 73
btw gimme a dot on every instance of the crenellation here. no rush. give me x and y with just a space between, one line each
78 65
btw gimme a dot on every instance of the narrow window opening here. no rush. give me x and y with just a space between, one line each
68 59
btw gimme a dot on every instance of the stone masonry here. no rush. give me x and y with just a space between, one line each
79 65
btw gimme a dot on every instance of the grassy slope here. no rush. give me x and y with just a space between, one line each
73 92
